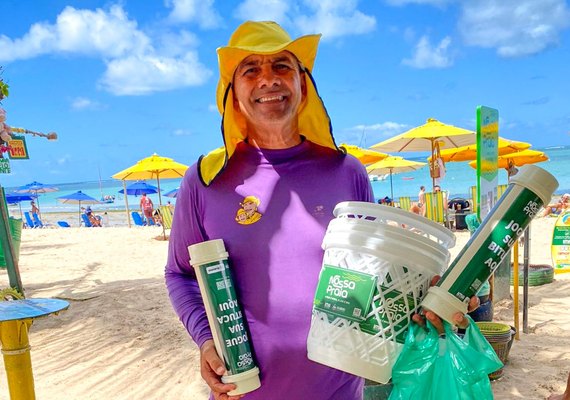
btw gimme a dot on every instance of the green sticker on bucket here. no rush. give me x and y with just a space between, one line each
391 314
344 293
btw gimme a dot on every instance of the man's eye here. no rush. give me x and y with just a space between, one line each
282 67
250 71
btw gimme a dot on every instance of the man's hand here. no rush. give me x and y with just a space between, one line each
211 368
459 318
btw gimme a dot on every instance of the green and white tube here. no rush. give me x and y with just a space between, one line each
528 191
225 317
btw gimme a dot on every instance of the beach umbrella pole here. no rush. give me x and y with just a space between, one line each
391 189
516 288
158 186
126 203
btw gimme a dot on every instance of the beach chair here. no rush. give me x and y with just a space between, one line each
63 224
86 221
137 219
29 221
474 199
37 222
166 216
501 189
405 203
436 208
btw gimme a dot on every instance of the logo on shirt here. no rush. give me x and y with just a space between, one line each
248 213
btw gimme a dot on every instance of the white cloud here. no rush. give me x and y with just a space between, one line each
514 27
63 160
200 11
99 33
134 65
140 75
83 103
213 108
334 18
263 10
182 132
427 56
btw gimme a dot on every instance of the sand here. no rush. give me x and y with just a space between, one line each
120 339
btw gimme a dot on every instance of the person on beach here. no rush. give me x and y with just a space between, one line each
34 208
558 207
421 201
94 219
269 193
147 208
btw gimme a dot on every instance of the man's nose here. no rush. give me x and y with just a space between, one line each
268 77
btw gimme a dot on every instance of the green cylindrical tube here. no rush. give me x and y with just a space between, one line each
528 191
225 317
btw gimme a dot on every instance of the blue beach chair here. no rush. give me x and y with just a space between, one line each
137 219
86 221
29 221
37 222
63 224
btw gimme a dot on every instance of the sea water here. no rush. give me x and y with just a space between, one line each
458 180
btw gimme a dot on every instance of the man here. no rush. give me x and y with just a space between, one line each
269 194
282 172
146 207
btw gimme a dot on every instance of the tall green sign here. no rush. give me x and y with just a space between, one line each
487 158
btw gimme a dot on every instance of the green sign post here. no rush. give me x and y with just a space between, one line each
487 159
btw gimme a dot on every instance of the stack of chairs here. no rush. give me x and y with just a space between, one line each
405 203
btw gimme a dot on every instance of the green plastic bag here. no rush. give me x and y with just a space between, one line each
450 367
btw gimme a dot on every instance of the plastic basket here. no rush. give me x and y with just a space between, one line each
402 255
538 274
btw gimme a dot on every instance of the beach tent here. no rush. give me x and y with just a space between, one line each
35 188
78 198
365 156
432 136
393 165
153 167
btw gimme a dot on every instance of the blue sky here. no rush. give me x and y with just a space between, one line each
120 80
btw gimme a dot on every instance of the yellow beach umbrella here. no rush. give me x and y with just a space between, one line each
518 159
432 136
468 153
393 165
153 167
365 156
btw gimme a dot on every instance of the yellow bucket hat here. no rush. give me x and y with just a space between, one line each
264 38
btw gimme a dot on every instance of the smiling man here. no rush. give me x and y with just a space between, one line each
269 193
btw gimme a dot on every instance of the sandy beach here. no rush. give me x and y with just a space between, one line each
120 339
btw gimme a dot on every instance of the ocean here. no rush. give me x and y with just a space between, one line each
458 179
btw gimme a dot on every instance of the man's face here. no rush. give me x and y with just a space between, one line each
269 88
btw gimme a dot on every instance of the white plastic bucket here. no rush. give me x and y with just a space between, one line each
400 253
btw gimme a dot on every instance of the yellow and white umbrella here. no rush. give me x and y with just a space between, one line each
365 156
432 136
469 153
153 167
518 159
393 165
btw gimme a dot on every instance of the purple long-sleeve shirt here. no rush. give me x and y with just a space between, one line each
275 260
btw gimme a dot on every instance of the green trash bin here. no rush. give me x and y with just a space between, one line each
16 230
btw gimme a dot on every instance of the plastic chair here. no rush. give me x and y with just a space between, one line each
63 224
137 219
405 203
86 221
29 220
436 207
37 222
166 216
